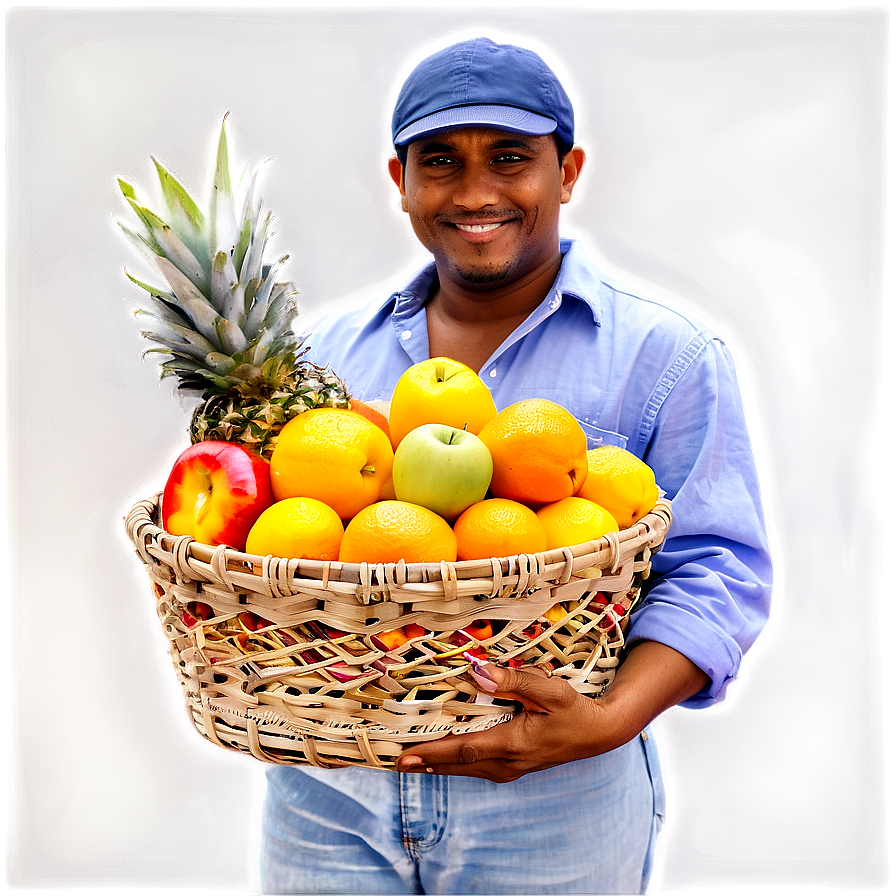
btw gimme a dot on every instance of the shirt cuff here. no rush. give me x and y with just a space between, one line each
717 654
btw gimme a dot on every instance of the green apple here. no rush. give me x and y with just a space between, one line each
442 468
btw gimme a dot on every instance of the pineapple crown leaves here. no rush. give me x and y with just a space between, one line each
223 313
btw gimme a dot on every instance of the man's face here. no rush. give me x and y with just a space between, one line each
486 202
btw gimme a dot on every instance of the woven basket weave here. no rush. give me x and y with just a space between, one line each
289 668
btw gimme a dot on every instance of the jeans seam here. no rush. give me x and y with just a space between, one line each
440 810
416 846
408 842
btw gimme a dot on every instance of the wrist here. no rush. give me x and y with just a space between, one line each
620 719
652 679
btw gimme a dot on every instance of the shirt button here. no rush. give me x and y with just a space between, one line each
555 304
493 372
406 334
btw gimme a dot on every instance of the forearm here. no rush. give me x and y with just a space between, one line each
652 679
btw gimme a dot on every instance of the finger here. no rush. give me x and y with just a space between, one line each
493 769
451 750
463 749
531 687
496 771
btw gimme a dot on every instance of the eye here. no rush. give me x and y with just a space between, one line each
437 161
508 158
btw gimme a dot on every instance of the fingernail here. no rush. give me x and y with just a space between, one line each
485 679
406 762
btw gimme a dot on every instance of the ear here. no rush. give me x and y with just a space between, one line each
396 172
570 168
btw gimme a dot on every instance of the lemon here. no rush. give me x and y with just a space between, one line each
575 520
621 483
297 528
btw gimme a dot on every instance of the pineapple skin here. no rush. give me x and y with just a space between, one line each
255 420
222 324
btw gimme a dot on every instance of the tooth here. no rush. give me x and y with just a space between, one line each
479 228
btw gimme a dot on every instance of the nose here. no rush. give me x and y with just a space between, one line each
476 188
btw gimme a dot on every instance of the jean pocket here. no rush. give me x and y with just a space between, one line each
597 436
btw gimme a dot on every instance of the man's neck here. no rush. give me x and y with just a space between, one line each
469 323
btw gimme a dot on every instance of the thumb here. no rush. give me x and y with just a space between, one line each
531 687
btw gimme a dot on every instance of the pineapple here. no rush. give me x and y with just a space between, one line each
224 321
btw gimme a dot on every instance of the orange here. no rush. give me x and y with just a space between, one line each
334 455
301 528
371 412
620 482
389 531
498 527
439 390
575 520
539 452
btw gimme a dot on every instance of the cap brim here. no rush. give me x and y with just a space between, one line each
506 118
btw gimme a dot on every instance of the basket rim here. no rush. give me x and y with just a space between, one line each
649 531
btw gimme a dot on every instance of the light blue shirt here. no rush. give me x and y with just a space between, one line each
637 374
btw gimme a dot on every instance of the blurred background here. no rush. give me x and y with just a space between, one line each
735 168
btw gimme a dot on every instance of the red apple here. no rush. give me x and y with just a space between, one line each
612 617
253 622
215 492
194 611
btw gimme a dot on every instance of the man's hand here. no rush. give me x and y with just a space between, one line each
557 724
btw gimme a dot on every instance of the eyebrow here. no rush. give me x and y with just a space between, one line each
434 146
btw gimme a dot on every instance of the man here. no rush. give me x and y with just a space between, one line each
567 796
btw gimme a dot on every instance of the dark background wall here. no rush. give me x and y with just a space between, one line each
740 161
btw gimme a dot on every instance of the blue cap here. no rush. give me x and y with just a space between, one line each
479 82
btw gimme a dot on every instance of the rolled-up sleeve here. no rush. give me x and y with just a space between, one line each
709 594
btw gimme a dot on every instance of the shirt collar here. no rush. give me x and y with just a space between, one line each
577 279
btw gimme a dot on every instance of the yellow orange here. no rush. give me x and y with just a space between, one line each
539 452
498 527
620 482
301 528
389 531
332 454
439 390
575 520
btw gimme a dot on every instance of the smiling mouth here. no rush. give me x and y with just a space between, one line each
479 228
480 222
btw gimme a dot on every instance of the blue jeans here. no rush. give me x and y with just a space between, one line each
584 827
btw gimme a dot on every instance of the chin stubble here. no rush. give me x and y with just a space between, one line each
489 275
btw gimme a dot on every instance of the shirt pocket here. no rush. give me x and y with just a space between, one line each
597 436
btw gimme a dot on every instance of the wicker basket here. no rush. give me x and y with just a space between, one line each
290 669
